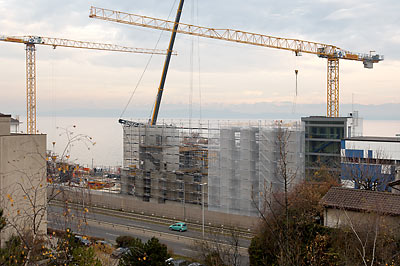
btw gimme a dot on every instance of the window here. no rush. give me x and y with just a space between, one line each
197 178
237 139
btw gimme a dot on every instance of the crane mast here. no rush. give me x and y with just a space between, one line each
332 53
31 42
30 88
166 65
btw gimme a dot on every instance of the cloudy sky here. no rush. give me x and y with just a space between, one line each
213 74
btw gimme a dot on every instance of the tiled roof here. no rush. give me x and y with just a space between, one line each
362 200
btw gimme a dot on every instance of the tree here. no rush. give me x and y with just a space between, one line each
2 220
369 238
13 252
304 237
274 206
150 253
368 173
70 251
128 241
220 249
290 215
291 231
26 196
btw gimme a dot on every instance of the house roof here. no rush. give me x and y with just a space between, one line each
374 139
12 120
362 200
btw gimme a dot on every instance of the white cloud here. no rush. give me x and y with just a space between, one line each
250 74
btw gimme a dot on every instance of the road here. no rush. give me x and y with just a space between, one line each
109 225
110 233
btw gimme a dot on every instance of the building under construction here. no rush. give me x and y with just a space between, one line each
228 163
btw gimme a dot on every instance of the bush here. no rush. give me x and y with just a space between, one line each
150 253
127 241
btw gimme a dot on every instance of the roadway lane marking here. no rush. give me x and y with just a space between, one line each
161 235
111 234
191 250
146 218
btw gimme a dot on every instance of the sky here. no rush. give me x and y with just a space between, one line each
208 77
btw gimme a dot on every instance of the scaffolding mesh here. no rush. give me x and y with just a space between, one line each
170 162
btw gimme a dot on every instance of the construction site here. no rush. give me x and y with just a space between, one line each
225 164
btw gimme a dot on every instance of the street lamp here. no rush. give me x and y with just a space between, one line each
202 203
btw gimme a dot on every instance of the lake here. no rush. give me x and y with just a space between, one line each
107 133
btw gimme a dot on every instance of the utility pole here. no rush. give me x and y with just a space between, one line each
202 203
184 201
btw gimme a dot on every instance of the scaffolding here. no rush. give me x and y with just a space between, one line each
170 161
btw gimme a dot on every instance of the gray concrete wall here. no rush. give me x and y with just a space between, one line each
336 218
23 183
171 210
5 124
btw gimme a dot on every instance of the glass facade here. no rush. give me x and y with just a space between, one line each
323 142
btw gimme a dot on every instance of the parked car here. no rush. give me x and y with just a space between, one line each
170 261
173 262
181 263
82 240
119 252
181 227
102 244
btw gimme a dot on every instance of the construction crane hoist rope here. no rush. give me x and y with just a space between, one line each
330 52
32 41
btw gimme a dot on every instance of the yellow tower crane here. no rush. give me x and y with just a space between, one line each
330 52
31 42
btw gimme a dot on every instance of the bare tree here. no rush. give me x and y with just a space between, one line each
27 195
275 198
369 173
221 248
74 211
367 237
25 204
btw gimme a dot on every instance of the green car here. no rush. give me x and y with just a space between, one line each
181 227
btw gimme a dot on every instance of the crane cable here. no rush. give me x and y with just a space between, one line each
194 18
191 72
147 65
198 58
296 72
53 94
